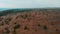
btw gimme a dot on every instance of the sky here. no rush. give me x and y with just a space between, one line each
29 3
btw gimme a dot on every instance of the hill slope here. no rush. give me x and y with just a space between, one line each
32 22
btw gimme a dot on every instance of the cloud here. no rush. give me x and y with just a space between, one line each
29 3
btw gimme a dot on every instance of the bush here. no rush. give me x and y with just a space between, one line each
8 20
1 19
26 28
16 26
1 23
7 30
45 27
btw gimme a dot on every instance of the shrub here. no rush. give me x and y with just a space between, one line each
7 30
1 19
45 27
16 26
38 25
7 20
24 16
1 23
26 28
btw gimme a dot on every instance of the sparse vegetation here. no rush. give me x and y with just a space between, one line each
8 20
26 28
15 23
38 25
17 17
14 32
34 22
1 24
24 16
57 30
7 30
45 27
1 19
16 26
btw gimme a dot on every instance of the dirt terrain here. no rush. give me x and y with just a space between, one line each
32 22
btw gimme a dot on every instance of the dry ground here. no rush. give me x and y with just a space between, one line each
33 22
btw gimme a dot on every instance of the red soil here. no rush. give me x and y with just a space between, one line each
34 22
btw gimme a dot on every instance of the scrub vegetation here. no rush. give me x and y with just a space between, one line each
30 21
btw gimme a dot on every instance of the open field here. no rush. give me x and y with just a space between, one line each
30 22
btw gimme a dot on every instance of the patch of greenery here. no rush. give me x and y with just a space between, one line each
13 11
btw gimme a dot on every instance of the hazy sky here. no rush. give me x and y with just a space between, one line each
29 3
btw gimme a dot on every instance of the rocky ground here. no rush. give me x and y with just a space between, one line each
33 22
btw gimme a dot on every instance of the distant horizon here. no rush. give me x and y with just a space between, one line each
2 9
